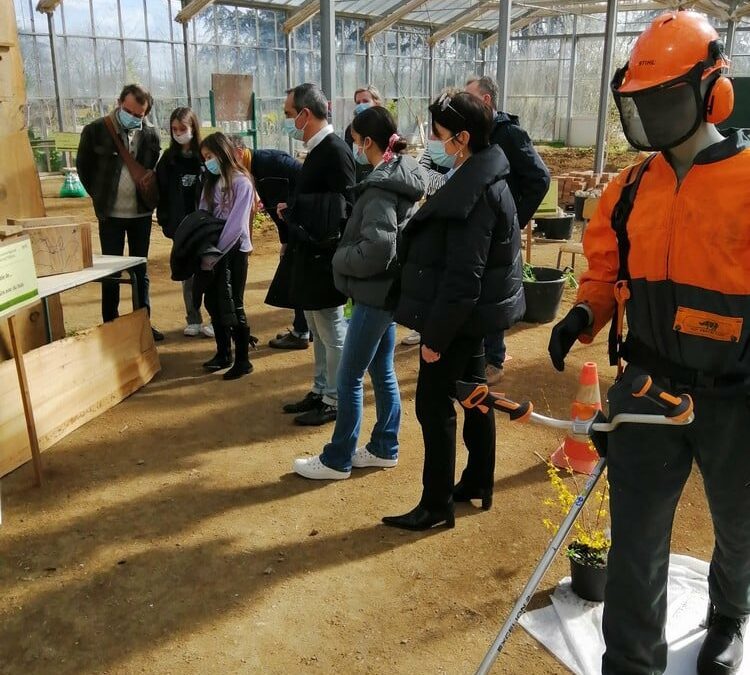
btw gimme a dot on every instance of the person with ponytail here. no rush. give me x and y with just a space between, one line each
364 269
179 174
228 194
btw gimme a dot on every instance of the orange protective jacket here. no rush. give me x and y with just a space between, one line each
689 261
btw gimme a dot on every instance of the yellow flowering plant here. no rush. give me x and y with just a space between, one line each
591 541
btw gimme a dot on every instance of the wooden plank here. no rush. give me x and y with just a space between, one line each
589 207
28 411
74 380
30 327
41 222
60 248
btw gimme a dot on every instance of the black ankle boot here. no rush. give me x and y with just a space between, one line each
721 653
242 365
421 518
223 357
465 493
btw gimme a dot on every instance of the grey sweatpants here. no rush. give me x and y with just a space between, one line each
648 467
193 314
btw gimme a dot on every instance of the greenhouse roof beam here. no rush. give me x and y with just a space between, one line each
518 22
394 16
303 14
463 20
192 9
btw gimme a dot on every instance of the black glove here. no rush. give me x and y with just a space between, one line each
564 335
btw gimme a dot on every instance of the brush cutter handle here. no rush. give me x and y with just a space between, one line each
472 395
677 408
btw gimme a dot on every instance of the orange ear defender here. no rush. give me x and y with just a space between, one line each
719 100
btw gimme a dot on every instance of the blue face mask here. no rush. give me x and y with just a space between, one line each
361 107
438 154
213 166
360 157
292 130
128 121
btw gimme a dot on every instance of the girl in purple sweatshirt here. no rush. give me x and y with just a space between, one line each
229 195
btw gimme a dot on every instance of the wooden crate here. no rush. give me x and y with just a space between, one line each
60 248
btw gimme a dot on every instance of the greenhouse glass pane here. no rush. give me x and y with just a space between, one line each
159 20
106 19
180 78
247 64
205 65
133 19
267 28
24 12
30 65
225 19
77 17
741 66
81 68
136 62
162 70
47 85
205 30
228 60
247 27
302 38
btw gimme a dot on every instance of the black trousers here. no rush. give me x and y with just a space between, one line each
236 263
436 412
112 233
648 466
300 322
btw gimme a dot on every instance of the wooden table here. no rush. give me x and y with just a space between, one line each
106 269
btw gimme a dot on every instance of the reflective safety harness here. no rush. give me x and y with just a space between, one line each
619 223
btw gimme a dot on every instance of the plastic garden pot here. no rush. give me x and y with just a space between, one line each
586 581
543 296
578 207
557 228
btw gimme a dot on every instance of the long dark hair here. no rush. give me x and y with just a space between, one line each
378 124
221 148
189 119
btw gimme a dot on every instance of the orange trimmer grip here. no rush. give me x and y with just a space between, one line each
677 408
518 412
471 395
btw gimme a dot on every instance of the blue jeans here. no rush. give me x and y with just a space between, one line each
494 349
369 346
328 329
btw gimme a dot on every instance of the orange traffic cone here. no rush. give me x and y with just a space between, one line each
576 452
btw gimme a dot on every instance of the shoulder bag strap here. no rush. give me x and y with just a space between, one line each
134 168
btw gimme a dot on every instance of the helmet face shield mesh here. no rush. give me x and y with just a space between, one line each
662 118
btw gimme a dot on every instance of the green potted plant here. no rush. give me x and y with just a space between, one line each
588 549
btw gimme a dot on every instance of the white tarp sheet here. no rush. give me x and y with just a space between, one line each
570 628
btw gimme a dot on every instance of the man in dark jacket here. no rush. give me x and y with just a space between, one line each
316 215
275 173
118 206
528 182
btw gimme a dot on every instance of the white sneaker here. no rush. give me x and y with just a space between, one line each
493 374
412 338
363 458
208 330
312 467
192 330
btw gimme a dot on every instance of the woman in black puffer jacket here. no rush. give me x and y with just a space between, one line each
461 280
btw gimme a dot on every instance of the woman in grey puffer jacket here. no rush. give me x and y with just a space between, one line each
364 269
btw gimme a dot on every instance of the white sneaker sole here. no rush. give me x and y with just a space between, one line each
302 469
370 460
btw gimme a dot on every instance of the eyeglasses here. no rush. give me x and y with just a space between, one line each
445 103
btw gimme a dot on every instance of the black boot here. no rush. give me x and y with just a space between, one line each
223 357
242 365
721 653
465 493
421 518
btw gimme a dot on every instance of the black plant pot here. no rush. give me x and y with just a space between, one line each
556 228
587 582
578 207
543 296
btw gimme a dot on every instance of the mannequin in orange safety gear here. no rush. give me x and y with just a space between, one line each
684 253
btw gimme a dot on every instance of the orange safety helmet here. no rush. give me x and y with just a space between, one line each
669 48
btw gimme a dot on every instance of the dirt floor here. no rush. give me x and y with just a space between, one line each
561 160
172 537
